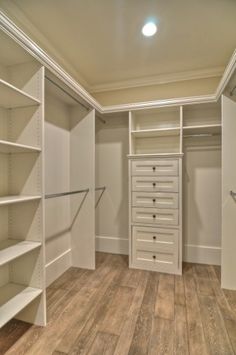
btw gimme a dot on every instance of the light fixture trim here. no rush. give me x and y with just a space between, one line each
149 29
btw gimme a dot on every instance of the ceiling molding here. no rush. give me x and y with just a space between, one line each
16 14
31 47
158 80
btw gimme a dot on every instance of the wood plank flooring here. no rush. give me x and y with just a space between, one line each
118 311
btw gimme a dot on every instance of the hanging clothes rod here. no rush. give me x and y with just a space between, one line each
71 96
66 193
232 91
100 188
201 135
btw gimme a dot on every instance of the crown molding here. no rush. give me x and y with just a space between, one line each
158 79
38 53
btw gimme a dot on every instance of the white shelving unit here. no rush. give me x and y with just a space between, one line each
22 263
155 189
202 129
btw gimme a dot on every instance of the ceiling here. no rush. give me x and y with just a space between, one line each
101 42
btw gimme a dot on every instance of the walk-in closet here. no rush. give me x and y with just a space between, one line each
117 179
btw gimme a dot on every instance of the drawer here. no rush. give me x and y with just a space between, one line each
155 216
153 234
155 184
155 199
152 257
166 167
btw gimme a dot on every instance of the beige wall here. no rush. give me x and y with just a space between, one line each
157 92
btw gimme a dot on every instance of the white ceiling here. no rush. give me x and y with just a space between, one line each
102 41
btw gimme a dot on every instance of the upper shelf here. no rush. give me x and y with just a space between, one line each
9 147
149 133
202 129
11 97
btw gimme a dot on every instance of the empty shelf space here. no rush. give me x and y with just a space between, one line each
146 133
11 97
202 129
9 147
7 200
13 299
11 249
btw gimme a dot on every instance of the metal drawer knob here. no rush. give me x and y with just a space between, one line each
154 257
154 237
154 200
154 216
153 168
154 184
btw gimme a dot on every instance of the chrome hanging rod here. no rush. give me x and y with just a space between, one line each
67 93
66 193
201 135
232 91
71 96
100 188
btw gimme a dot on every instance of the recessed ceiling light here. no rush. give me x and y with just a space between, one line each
149 29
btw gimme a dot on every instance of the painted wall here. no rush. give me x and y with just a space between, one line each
202 204
158 92
112 172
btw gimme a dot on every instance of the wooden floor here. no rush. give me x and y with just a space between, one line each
114 310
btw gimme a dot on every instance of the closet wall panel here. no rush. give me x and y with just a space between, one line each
112 146
82 169
202 202
57 179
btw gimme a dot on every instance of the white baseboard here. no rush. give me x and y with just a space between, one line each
202 254
112 245
58 266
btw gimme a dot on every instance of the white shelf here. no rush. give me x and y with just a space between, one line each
202 129
11 249
9 147
7 200
13 299
158 132
11 97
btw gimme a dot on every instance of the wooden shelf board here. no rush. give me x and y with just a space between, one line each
148 133
7 200
12 97
13 299
10 147
202 129
11 249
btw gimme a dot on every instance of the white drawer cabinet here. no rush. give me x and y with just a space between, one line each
155 216
155 199
155 184
163 167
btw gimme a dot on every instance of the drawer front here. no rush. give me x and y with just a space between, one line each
155 216
166 167
155 184
142 255
155 239
155 199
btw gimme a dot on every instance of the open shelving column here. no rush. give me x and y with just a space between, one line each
22 280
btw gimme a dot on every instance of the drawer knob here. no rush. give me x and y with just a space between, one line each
154 257
154 216
154 168
154 184
154 200
154 237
